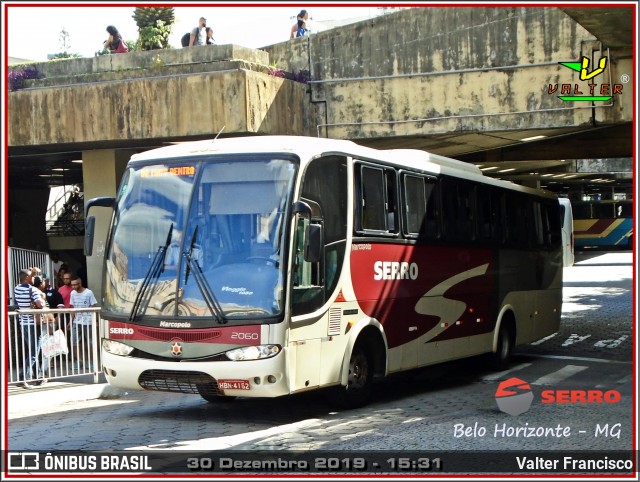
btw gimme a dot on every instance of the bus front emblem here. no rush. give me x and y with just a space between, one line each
176 349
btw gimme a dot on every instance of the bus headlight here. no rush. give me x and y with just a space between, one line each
253 352
116 348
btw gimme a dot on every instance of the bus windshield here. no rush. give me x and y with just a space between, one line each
199 240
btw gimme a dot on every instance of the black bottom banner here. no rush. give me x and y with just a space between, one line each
319 462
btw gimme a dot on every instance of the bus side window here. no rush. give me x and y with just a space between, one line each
457 215
552 221
373 205
484 217
421 209
391 201
378 199
516 219
415 204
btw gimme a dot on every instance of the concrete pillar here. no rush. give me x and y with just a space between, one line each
101 174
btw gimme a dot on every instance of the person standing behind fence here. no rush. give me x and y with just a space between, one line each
81 332
47 325
54 298
57 263
65 290
27 297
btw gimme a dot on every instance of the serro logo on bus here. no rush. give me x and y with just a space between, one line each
121 331
514 396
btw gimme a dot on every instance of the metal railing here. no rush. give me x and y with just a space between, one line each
24 258
65 227
69 220
28 363
60 204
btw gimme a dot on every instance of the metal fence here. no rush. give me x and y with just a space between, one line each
69 356
24 258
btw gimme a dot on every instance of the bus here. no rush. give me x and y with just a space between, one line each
603 224
272 265
566 215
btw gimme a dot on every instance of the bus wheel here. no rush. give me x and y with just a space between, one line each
360 380
208 392
502 357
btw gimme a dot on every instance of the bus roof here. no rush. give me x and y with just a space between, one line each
308 147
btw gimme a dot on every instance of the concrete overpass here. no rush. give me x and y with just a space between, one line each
467 82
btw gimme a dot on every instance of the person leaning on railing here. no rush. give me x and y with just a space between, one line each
81 331
27 297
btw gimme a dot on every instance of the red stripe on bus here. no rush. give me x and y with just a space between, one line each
245 335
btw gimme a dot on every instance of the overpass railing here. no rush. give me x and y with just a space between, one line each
66 359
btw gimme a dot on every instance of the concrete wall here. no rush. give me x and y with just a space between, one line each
438 70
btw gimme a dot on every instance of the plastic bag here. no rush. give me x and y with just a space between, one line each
54 345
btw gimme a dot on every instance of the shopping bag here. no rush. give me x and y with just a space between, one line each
54 345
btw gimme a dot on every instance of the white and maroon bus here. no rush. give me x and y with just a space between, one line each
265 266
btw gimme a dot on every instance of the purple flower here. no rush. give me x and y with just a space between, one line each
18 75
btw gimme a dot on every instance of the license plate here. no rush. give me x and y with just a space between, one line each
234 385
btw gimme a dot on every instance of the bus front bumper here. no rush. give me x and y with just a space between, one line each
248 378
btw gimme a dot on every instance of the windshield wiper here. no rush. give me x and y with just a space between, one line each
207 293
153 273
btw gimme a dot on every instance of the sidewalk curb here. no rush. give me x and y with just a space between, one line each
30 399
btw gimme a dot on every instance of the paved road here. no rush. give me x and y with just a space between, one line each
413 411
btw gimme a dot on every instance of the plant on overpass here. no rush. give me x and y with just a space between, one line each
20 73
154 27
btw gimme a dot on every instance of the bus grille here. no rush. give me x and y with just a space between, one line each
178 381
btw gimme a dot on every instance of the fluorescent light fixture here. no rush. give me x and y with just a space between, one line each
546 175
489 168
571 176
79 161
508 170
559 175
534 138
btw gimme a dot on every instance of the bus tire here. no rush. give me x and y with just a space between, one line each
360 379
208 394
501 359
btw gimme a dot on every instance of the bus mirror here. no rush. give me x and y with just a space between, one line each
313 243
106 202
302 208
88 235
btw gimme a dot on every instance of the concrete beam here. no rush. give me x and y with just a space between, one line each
163 108
619 165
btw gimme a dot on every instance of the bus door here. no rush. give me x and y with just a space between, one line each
307 295
317 331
